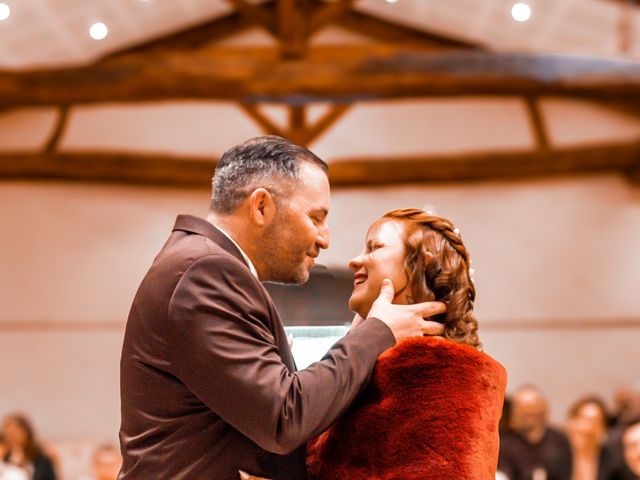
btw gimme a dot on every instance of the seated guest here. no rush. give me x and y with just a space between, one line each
106 462
432 408
531 450
629 469
8 471
587 431
23 450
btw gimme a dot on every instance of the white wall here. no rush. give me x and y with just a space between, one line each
549 255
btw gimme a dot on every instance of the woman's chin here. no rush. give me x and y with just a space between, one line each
359 306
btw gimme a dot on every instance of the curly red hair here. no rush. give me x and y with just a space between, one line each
438 267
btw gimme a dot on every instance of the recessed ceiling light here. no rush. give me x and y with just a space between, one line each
98 31
521 12
391 1
5 11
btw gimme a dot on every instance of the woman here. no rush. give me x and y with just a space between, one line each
587 431
23 451
433 405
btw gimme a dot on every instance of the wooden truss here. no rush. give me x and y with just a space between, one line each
401 63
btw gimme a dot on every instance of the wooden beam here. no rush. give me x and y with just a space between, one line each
194 38
61 124
174 171
537 123
298 124
292 30
329 13
385 31
334 114
123 168
264 122
487 166
334 74
256 14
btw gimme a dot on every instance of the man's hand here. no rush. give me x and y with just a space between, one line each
246 476
406 320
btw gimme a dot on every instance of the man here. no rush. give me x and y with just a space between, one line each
208 382
530 449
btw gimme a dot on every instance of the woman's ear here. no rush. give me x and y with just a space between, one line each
262 207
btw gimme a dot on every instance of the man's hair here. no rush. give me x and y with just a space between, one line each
446 277
269 161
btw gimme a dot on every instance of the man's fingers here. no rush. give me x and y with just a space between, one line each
432 328
429 309
386 291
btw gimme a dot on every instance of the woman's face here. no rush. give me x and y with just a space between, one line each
587 427
14 434
383 257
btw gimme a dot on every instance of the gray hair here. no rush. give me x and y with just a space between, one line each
269 161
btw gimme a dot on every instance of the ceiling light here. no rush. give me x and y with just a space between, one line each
5 11
98 31
521 12
391 1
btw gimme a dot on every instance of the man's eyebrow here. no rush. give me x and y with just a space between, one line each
322 211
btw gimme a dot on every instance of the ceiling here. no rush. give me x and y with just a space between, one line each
48 33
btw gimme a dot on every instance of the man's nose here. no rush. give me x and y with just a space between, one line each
324 236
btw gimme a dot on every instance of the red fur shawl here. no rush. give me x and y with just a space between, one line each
431 412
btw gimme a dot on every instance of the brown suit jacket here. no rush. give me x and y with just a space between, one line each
208 382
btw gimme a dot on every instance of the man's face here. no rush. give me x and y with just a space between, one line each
631 442
529 416
300 229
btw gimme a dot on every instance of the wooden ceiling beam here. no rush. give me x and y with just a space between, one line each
257 14
329 13
537 123
292 29
385 31
56 135
194 38
262 120
334 74
323 124
147 169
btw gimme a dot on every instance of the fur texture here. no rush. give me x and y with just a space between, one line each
431 412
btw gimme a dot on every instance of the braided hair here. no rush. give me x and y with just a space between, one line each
438 268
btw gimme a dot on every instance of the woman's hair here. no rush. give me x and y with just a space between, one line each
31 448
574 410
446 277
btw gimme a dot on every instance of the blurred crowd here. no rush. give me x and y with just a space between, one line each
23 457
593 444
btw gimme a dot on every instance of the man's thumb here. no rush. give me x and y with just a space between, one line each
386 291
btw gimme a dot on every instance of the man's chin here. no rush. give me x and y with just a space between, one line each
294 278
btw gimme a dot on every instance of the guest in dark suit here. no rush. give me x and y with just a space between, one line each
531 449
208 383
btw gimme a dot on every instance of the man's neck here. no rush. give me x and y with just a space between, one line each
234 228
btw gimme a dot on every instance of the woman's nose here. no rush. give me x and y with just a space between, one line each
355 263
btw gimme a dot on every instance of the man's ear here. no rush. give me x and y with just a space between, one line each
262 206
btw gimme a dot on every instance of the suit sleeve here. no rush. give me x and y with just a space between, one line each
224 352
